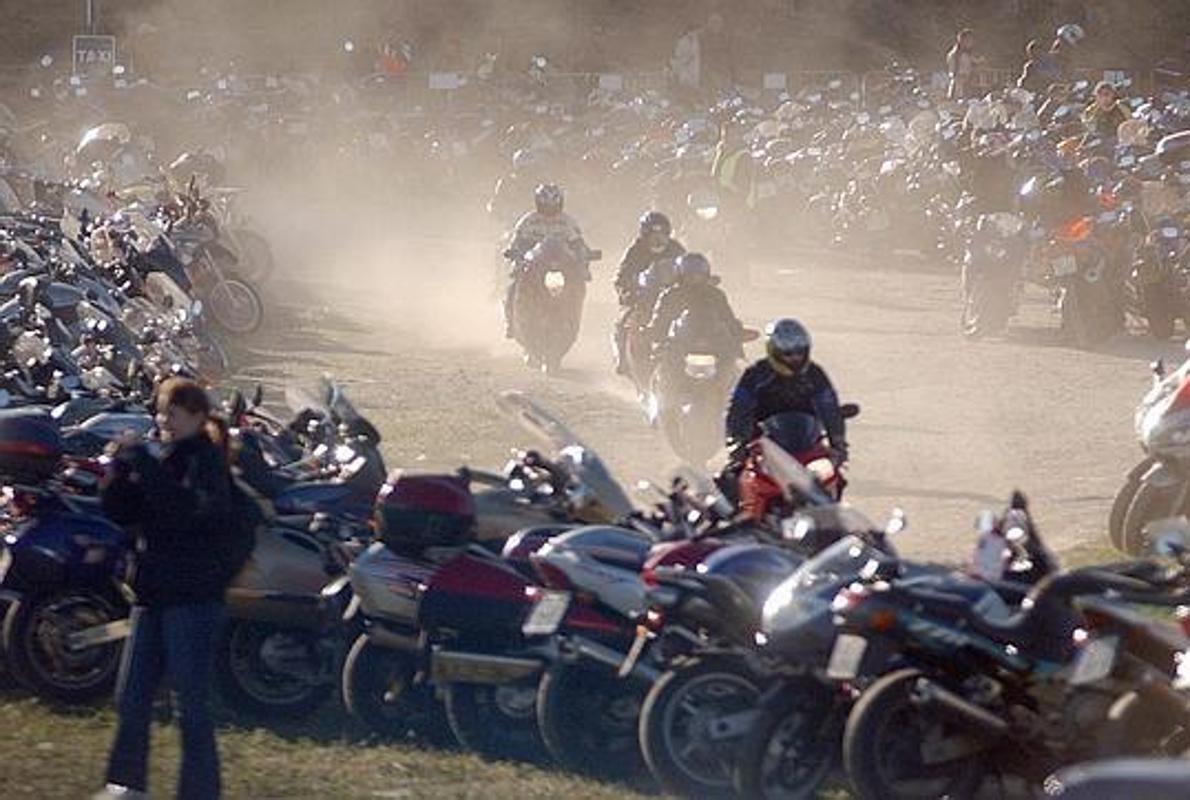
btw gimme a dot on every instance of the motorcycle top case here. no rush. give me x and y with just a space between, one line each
417 511
30 447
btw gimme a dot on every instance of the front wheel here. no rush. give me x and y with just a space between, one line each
36 631
236 306
271 672
692 724
1151 502
379 688
496 721
1122 501
890 747
792 746
588 718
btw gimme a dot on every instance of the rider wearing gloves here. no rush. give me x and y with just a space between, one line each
694 290
786 380
654 242
546 221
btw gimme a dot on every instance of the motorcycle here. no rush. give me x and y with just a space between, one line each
694 371
547 301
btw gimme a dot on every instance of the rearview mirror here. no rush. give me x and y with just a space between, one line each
849 410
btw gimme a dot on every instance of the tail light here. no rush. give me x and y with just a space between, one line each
1181 398
1076 231
550 575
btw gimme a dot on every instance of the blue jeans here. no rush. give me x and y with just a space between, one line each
176 643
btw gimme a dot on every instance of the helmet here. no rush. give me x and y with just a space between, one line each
30 446
417 511
1071 34
548 198
693 268
655 222
788 345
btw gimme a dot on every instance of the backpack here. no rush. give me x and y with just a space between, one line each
250 511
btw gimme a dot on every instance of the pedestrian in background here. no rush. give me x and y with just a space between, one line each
960 65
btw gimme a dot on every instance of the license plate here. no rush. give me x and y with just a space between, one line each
1064 265
1095 661
846 657
547 613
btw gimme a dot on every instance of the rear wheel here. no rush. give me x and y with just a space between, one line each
885 748
496 721
39 655
256 257
380 688
273 672
235 306
792 746
588 718
686 732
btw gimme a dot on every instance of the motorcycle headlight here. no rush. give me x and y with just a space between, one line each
707 213
701 365
555 281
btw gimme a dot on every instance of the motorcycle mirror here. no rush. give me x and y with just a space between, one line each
849 410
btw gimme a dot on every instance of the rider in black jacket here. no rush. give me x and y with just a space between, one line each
653 243
787 380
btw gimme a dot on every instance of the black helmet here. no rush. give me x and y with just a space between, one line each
655 222
548 198
788 345
693 268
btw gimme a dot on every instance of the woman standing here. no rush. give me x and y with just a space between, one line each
180 507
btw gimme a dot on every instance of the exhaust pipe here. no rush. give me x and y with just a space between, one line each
454 667
393 640
613 659
930 695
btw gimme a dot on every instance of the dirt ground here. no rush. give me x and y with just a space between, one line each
411 325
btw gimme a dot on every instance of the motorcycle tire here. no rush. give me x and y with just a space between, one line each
250 686
41 661
1121 502
380 689
882 727
588 718
256 261
1150 502
235 306
792 747
1080 325
497 721
679 710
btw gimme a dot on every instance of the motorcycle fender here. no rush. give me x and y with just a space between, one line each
1163 476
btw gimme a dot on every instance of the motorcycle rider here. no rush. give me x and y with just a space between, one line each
695 290
546 221
654 242
1105 113
785 380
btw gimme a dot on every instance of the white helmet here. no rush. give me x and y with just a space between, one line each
1071 34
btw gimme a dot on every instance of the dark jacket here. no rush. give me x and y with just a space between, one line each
179 507
636 260
706 302
763 392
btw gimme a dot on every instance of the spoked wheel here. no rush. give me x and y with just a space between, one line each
380 688
791 748
36 631
235 306
496 721
1123 501
256 257
894 751
692 724
271 672
588 717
